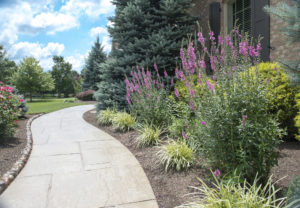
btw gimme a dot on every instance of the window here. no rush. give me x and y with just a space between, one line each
241 15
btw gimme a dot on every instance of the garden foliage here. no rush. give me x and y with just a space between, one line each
234 129
148 97
123 121
297 118
280 93
105 117
9 110
148 135
293 194
228 193
176 155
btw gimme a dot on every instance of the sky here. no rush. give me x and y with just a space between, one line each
43 28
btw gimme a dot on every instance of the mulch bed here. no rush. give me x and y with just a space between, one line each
11 148
171 188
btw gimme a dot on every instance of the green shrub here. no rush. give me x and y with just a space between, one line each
176 154
105 117
293 195
148 135
235 128
280 92
229 194
297 118
123 121
9 110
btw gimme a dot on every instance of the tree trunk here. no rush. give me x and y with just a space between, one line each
30 94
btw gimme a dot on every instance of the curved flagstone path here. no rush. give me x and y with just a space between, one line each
75 165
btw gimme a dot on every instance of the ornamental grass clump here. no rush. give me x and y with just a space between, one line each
148 97
123 121
105 117
176 155
234 129
9 110
229 194
148 135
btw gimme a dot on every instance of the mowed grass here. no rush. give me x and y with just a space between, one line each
47 105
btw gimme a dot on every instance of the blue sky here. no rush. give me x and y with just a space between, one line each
43 28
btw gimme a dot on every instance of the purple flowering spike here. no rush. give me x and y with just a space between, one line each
184 134
201 38
203 123
176 92
165 74
192 106
217 173
156 68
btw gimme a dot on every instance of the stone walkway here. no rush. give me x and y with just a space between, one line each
75 165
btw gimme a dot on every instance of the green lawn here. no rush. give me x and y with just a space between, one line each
47 105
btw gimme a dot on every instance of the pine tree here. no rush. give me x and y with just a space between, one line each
91 72
145 32
290 14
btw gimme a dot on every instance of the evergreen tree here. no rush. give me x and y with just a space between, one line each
145 32
290 14
91 73
7 67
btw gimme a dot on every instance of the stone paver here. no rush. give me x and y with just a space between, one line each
75 165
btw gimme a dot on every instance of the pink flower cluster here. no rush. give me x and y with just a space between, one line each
6 88
141 83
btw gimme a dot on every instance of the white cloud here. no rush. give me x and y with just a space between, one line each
94 32
33 17
77 61
42 53
91 8
54 22
106 43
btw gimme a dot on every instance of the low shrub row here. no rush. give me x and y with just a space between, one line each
86 95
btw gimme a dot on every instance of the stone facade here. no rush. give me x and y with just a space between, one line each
279 47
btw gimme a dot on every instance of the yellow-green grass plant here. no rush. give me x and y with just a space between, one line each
123 121
176 155
148 135
105 117
230 194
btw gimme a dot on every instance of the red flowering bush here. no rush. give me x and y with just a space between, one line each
9 110
86 95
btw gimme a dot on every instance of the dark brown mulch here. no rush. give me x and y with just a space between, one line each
12 147
170 188
288 163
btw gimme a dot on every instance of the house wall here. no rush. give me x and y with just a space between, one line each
280 48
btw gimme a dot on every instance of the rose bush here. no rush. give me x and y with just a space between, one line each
9 110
